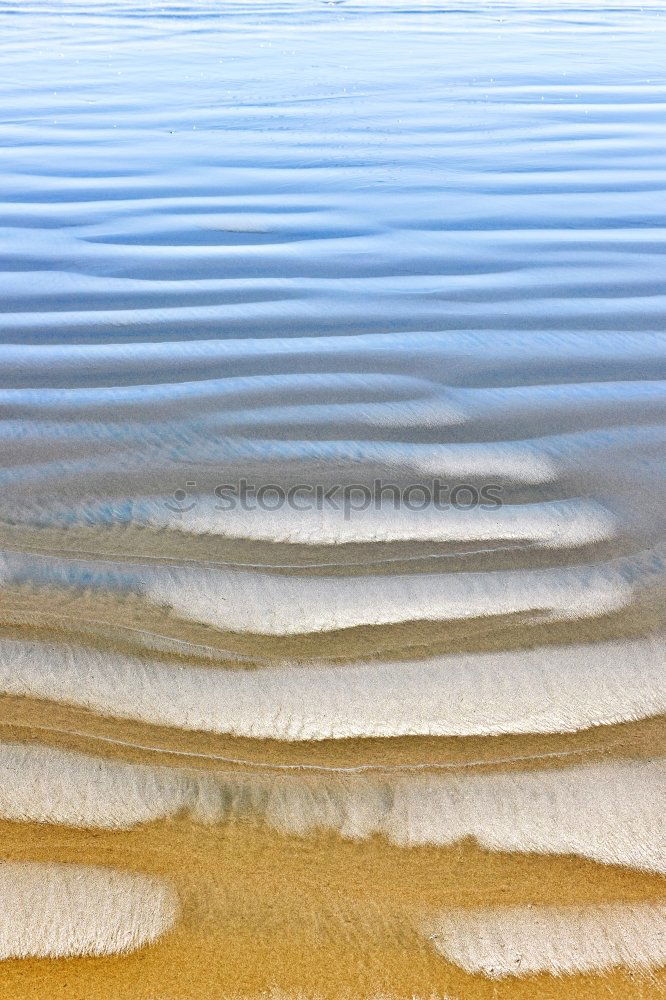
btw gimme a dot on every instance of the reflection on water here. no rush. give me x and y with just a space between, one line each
332 438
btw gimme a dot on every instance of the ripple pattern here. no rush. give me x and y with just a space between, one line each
332 451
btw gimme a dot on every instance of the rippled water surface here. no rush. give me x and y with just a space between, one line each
332 448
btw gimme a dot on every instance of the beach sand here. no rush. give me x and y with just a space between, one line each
332 451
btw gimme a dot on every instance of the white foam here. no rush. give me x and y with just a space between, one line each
57 910
610 812
557 524
546 689
525 940
46 785
279 604
551 525
273 604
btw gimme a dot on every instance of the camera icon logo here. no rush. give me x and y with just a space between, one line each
181 500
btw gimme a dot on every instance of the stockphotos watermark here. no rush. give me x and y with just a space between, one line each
349 498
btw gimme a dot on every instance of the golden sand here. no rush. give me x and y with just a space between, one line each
390 750
314 916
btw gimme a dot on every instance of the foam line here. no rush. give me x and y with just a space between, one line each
57 911
550 525
610 812
46 785
290 605
542 690
561 940
278 604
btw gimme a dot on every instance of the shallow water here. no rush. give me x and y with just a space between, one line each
332 367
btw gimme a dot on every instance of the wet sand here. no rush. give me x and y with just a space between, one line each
323 743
